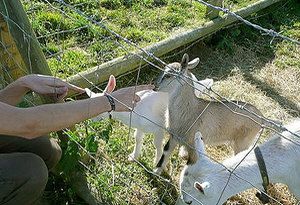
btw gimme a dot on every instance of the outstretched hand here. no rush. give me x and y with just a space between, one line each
48 85
125 98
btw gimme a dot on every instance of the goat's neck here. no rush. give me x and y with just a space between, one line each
247 174
236 183
184 99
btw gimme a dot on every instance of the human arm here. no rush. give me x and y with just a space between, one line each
41 84
36 121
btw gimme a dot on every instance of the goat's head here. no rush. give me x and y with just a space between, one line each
191 189
176 73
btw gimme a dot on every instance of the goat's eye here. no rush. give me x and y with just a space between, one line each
186 173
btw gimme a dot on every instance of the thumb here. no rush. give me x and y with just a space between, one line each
61 93
111 84
61 90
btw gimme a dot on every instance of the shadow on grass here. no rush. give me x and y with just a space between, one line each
290 107
247 49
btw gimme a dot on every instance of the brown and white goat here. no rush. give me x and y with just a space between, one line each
218 122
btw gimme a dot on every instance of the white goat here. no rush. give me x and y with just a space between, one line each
204 181
219 122
153 106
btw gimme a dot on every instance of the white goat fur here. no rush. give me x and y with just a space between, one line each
153 105
281 156
218 122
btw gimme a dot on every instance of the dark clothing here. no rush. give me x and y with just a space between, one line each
24 166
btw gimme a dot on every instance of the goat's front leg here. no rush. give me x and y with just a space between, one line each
168 148
138 136
158 143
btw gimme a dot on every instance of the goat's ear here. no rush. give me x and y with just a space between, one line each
201 186
184 61
193 64
201 86
207 83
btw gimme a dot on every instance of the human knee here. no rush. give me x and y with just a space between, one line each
36 170
51 151
55 154
36 178
29 170
24 178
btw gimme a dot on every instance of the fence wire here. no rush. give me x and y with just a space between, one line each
269 32
151 55
277 127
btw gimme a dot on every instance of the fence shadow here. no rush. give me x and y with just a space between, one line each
248 51
290 107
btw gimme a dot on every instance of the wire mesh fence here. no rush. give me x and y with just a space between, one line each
73 39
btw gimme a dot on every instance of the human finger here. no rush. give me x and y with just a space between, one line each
75 88
56 82
60 90
60 97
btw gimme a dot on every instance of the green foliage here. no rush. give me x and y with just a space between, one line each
70 155
136 35
48 22
70 63
89 137
111 4
143 22
86 138
174 20
226 40
52 48
160 3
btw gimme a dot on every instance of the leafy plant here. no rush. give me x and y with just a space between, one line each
87 136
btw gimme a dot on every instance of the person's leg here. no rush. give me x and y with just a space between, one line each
23 177
45 147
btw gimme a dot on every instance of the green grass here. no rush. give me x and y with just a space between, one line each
243 63
142 22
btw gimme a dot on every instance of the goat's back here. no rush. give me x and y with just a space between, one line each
223 122
218 122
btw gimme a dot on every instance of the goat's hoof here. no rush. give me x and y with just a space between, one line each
132 158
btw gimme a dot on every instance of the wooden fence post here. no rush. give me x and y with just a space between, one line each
20 48
12 63
21 54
